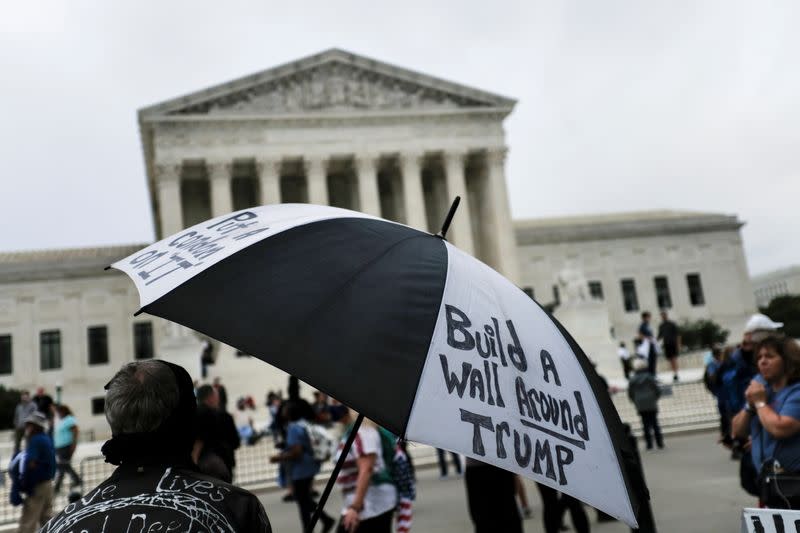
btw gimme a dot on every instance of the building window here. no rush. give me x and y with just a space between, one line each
528 291
98 345
556 295
98 405
662 292
596 290
629 298
50 349
143 340
6 366
695 289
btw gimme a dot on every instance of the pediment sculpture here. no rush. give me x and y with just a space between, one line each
330 87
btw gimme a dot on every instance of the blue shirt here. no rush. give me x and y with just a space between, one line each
39 450
305 466
736 374
785 402
63 434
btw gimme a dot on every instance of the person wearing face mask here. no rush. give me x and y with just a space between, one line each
772 415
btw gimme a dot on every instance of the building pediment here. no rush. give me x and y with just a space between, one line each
333 81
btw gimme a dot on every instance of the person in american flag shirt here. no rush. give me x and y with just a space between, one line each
403 473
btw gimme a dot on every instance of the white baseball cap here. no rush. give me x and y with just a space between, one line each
37 419
761 322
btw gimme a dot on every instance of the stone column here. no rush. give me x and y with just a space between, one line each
413 197
269 179
168 187
369 201
317 180
502 241
461 227
220 175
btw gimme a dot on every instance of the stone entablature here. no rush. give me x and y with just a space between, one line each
60 264
621 226
781 282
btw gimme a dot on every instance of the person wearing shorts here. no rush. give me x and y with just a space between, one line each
670 336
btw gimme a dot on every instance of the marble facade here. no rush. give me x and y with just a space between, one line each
690 263
337 129
781 282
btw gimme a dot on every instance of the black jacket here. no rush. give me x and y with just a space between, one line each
165 499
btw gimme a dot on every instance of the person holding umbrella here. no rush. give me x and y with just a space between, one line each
369 494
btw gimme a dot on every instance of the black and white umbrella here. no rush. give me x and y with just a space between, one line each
406 329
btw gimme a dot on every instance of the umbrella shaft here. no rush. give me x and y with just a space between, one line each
335 474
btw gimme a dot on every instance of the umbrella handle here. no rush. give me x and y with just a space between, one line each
335 474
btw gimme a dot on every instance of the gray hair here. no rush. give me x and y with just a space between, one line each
140 397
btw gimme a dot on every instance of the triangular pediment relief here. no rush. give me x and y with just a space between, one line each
329 82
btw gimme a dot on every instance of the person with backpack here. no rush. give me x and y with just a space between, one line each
302 464
368 489
644 392
712 378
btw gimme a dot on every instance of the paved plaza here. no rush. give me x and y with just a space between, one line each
694 487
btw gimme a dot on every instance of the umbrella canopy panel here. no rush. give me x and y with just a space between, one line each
346 304
503 384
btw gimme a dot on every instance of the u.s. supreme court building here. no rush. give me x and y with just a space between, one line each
345 130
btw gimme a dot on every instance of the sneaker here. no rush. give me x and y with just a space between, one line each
675 378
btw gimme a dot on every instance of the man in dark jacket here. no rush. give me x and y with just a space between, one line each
151 408
217 437
670 335
35 473
644 392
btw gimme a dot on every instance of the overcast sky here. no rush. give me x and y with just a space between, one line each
623 105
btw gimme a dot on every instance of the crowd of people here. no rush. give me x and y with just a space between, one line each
757 388
50 432
639 368
163 425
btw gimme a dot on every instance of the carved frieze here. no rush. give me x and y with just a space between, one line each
329 87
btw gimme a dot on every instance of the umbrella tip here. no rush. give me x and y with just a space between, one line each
449 218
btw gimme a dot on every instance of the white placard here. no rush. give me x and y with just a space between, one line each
770 521
162 266
501 384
